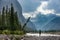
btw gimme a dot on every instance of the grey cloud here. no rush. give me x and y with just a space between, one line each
30 5
54 4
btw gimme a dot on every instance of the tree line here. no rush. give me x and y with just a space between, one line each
9 19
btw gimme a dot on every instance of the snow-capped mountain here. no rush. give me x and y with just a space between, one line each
53 24
17 8
48 22
41 20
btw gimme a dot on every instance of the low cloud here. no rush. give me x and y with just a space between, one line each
58 14
42 9
30 14
39 10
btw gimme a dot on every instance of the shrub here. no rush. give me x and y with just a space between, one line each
6 32
11 32
0 32
18 32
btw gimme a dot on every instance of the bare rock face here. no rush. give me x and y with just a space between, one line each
17 8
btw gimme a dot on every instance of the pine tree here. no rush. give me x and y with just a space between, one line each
6 16
0 13
0 19
9 17
12 18
16 22
3 18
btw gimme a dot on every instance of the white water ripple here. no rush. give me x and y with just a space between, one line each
42 34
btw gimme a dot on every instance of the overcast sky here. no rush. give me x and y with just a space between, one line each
33 9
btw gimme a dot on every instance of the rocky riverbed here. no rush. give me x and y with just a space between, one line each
40 37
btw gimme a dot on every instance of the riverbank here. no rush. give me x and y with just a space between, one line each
31 36
42 38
